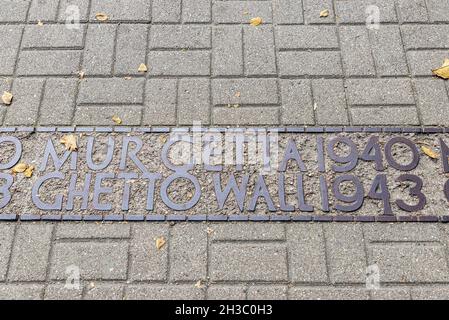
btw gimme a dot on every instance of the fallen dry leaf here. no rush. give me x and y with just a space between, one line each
238 94
101 17
429 152
127 78
117 119
29 171
443 71
19 168
7 98
70 142
199 284
160 242
81 75
324 13
255 21
142 68
209 230
40 23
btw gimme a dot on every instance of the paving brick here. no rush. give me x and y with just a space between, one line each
95 260
196 11
267 262
248 231
14 10
21 291
40 63
188 252
223 292
312 9
244 91
118 90
358 10
30 253
104 291
241 11
193 101
432 100
259 55
328 293
384 116
163 11
180 37
424 61
9 43
297 105
306 252
92 231
409 263
345 253
412 10
159 292
6 238
287 12
99 49
272 292
52 36
401 232
430 293
58 102
246 116
312 63
390 294
73 9
425 36
27 94
60 292
143 253
437 10
356 51
130 48
43 10
388 53
160 102
329 102
179 63
379 91
102 115
122 10
306 37
227 52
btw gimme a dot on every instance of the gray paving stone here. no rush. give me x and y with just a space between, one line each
58 102
163 11
179 63
306 37
99 49
102 115
390 294
29 258
188 252
52 36
412 10
409 232
297 104
287 12
437 10
9 43
259 50
180 37
273 292
43 10
195 11
244 91
159 292
193 101
248 231
432 101
424 61
143 253
425 36
312 9
311 63
267 262
114 90
384 116
306 253
160 102
6 239
14 10
224 292
345 250
21 291
241 11
227 52
245 116
430 293
122 10
328 293
70 9
95 260
356 51
104 291
49 63
92 231
25 107
130 48
357 10
330 102
60 292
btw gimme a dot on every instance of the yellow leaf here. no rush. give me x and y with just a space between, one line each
117 119
324 13
101 17
255 21
429 152
142 68
160 242
7 98
29 171
443 71
40 23
19 168
70 142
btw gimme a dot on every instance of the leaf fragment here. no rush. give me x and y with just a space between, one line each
443 71
7 98
117 119
324 13
429 152
101 16
19 168
40 23
160 242
70 142
255 21
199 284
29 171
81 75
143 68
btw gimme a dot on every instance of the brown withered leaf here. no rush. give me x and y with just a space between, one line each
324 13
429 152
19 168
7 98
143 68
160 242
101 16
81 75
443 71
255 21
29 171
70 142
117 119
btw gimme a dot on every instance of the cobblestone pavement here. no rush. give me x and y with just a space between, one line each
206 63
